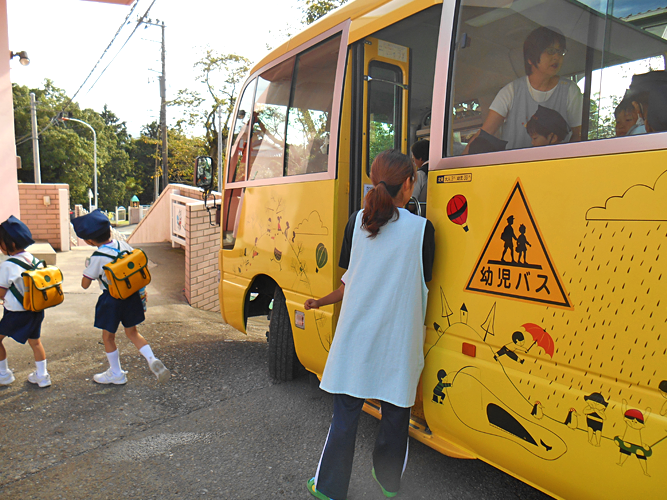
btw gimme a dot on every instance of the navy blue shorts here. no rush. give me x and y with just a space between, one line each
21 325
110 312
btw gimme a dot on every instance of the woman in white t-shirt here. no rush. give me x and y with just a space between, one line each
543 53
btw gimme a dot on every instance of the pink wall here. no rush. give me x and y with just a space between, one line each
9 193
155 227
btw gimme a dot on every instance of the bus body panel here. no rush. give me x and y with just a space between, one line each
233 289
532 406
368 16
548 369
285 232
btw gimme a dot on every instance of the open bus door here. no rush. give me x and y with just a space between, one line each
386 98
385 119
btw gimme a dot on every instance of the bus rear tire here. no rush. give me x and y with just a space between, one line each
284 364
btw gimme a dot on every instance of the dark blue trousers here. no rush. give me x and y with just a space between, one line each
389 456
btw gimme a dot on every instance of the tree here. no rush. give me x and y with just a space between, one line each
220 77
314 9
145 152
183 151
601 120
66 149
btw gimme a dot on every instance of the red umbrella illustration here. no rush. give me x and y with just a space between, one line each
457 210
541 338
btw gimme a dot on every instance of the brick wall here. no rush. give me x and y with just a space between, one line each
201 259
45 222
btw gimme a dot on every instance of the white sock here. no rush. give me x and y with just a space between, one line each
3 367
147 353
41 368
114 362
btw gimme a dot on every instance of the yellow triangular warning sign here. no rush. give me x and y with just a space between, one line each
515 262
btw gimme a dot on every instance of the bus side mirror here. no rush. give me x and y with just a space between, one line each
204 172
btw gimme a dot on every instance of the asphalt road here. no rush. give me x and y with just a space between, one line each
220 428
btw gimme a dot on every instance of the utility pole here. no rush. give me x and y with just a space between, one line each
156 188
35 139
163 116
220 149
70 119
163 102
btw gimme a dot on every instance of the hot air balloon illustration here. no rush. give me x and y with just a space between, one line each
457 210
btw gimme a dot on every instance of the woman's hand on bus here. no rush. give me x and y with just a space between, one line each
311 304
332 298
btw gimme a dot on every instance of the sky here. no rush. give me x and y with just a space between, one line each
65 38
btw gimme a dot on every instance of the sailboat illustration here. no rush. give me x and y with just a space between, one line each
489 323
446 310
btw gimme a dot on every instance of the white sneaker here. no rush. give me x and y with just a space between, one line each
158 368
44 381
7 378
109 378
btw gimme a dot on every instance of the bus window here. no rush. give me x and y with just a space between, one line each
236 168
267 141
384 108
628 51
309 117
399 68
239 156
571 57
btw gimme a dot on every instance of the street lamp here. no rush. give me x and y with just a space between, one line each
66 118
23 57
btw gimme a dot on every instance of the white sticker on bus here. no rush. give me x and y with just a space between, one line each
392 51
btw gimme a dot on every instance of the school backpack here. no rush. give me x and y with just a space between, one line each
43 285
127 273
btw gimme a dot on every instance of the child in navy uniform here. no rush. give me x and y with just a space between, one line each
17 323
95 229
546 127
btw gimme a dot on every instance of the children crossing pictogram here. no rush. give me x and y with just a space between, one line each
515 262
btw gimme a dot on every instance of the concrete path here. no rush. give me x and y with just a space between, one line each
220 428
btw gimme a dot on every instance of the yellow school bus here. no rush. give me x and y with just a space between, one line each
543 349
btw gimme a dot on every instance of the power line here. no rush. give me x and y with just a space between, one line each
139 21
104 53
64 108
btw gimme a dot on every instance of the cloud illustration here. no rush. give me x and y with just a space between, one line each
312 225
639 203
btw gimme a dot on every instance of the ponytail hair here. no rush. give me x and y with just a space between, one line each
389 171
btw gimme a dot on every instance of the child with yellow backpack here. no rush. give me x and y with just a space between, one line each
18 323
120 301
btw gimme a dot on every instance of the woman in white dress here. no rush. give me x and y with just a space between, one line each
377 351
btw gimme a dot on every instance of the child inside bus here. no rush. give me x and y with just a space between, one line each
637 94
419 152
626 117
656 120
546 127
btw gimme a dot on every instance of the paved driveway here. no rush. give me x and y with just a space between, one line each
219 429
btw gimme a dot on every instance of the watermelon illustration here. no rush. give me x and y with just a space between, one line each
321 256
